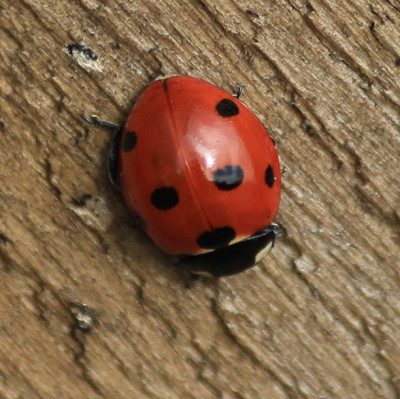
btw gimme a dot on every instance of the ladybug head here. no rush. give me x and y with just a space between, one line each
232 259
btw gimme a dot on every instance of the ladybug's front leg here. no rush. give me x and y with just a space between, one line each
113 170
114 149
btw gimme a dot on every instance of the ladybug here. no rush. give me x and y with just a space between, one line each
201 173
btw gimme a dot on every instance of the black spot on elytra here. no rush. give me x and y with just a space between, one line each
269 176
217 238
226 108
229 177
164 198
129 141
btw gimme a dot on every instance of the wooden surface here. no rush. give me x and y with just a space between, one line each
89 308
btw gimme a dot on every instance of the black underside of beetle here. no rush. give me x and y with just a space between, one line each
231 259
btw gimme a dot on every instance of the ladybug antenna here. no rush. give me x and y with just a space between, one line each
96 121
239 91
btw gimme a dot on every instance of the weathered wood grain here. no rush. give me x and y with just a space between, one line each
90 308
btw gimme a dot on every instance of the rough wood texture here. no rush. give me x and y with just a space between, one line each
91 309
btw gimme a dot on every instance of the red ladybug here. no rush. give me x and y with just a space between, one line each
202 174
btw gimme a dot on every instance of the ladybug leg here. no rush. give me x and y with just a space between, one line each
113 153
239 91
96 121
233 258
113 170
